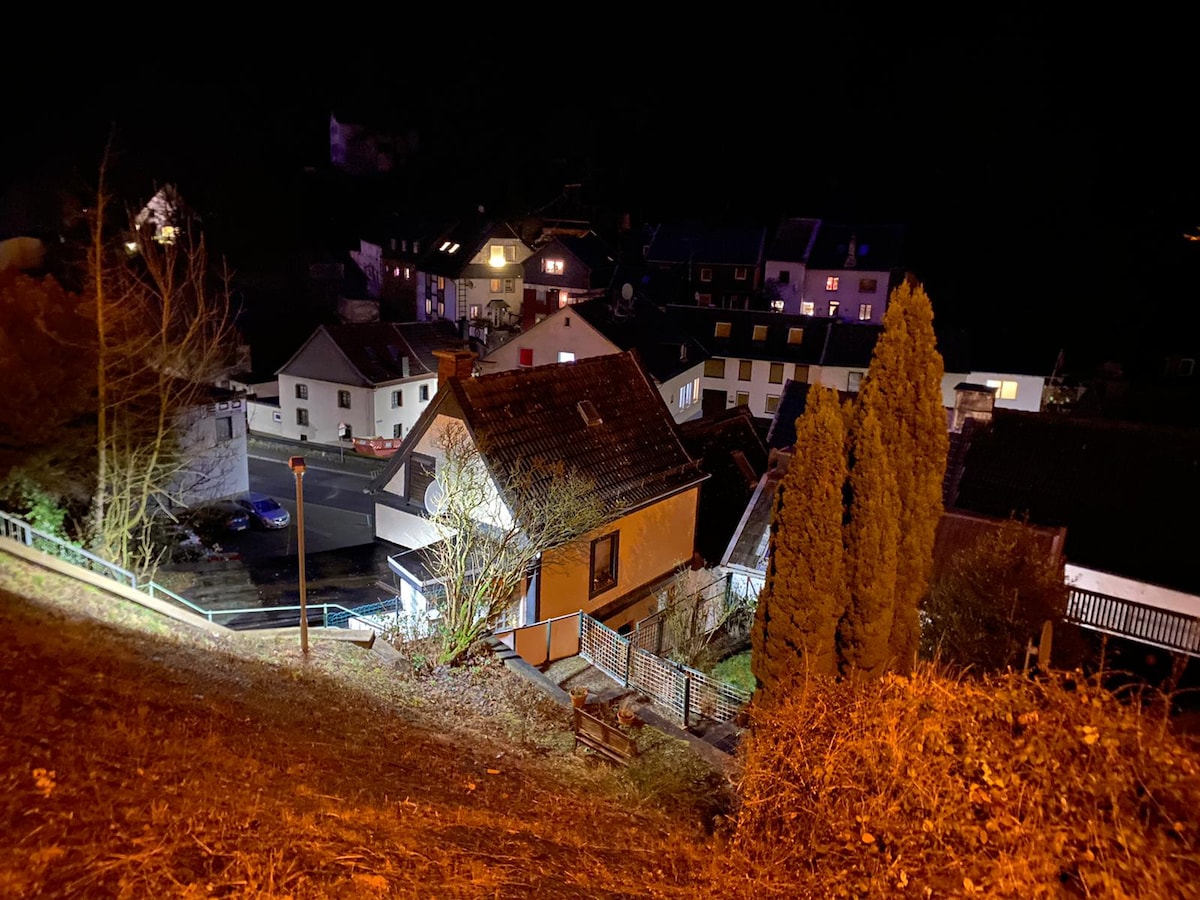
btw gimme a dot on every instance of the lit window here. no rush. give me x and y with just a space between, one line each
454 248
1006 390
397 430
416 246
343 399
807 308
831 283
445 246
496 285
396 271
302 417
397 399
604 564
685 396
760 332
695 390
552 266
714 368
743 399
566 356
441 309
526 356
745 369
866 285
772 404
777 305
739 274
496 255
302 392
423 393
706 274
853 380
429 306
833 307
476 311
722 329
795 335
776 375
407 273
441 283
864 312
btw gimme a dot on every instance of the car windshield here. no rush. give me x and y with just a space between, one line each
266 505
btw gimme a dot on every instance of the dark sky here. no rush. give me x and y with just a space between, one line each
1046 169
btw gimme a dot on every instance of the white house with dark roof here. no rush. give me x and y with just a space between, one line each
850 271
473 270
363 380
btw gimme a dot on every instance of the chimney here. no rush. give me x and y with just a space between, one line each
454 364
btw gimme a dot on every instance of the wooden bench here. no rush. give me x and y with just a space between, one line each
607 740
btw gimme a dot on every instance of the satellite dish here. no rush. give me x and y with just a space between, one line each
627 291
434 495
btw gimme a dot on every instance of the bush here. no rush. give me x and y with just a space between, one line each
1007 786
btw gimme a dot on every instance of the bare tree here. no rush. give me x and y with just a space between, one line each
493 530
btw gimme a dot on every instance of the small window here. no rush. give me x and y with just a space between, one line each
276 416
853 380
745 369
800 374
785 277
776 376
510 286
866 285
795 335
429 306
723 329
714 368
441 283
604 564
1006 390
302 392
343 399
807 308
224 428
704 299
831 283
706 274
496 285
743 398
552 266
397 430
772 404
397 399
302 417
476 311
566 356
864 312
423 393
1187 368
525 356
739 273
833 307
760 332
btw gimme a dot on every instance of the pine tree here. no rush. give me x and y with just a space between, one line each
872 542
805 591
903 388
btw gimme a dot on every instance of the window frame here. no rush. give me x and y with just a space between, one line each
423 393
759 333
771 406
606 581
397 399
740 273
343 399
832 282
864 312
741 398
776 369
302 417
706 274
714 362
525 357
301 391
745 366
722 329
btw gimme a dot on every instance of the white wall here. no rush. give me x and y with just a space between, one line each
564 330
759 386
847 294
669 390
264 418
1029 389
214 467
385 418
791 293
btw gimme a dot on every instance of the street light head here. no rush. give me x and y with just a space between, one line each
296 464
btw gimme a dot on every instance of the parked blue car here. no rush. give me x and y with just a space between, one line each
265 511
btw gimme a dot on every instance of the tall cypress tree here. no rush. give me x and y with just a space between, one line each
872 544
903 388
805 591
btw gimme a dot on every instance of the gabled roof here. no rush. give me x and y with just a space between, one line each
699 243
730 451
590 249
377 350
1127 494
664 349
632 452
793 240
451 252
701 323
876 248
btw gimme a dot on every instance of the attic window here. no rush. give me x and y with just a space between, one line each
723 329
760 332
552 266
587 411
445 246
795 335
454 248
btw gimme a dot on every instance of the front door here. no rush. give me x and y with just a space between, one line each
713 402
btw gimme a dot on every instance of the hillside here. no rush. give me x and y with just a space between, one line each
141 758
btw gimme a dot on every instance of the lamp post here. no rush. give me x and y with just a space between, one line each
296 464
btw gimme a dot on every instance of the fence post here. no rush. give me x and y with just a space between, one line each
687 697
628 660
549 629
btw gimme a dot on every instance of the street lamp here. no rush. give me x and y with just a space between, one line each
296 464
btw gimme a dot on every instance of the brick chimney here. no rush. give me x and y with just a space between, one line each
454 364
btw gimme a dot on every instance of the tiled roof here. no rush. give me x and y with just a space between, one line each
731 452
590 249
376 349
664 349
633 452
1127 494
470 236
793 240
704 243
701 323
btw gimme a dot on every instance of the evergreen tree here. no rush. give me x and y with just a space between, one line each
805 591
872 542
903 388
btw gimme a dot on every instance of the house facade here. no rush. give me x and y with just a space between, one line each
213 443
475 271
850 272
364 380
716 266
583 416
567 269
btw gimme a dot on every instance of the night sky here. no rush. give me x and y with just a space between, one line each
1046 169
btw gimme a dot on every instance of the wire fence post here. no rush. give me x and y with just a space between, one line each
687 697
628 660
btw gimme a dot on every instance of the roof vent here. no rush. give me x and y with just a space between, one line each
587 411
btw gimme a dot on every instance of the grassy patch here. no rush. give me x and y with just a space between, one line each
736 671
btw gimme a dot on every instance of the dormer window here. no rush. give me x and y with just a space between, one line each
500 254
588 412
722 330
445 246
760 332
795 335
552 266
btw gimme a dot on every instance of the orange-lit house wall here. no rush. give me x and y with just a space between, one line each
653 542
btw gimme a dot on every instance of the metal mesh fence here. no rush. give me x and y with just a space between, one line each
1160 627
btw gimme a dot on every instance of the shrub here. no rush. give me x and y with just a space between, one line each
1006 786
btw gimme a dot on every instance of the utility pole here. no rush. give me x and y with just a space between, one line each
296 464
